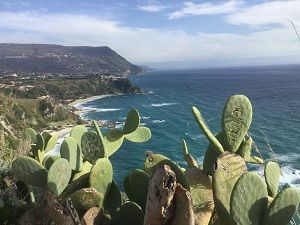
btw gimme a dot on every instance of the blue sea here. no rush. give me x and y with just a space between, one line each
165 107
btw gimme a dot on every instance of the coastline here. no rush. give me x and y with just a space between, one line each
79 102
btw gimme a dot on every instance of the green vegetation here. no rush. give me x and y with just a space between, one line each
162 192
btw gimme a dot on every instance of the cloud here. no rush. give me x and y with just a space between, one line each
151 7
274 12
149 46
208 8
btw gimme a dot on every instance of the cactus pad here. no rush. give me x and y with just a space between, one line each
189 159
77 132
50 142
138 183
228 169
101 175
30 134
236 120
132 121
209 135
272 177
283 207
130 214
141 134
91 146
59 175
40 142
86 198
49 160
71 151
249 200
113 141
86 168
30 171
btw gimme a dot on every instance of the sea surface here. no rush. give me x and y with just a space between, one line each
165 107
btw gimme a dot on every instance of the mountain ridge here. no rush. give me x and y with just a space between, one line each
60 59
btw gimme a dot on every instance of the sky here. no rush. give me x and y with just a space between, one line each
162 33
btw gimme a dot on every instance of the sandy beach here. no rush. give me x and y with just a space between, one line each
78 102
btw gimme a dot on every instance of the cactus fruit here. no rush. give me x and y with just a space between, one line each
152 161
228 169
86 198
211 156
130 214
272 177
132 121
29 171
101 175
91 146
138 187
49 160
30 134
71 151
249 200
59 175
209 135
283 207
86 168
141 134
236 120
113 201
191 162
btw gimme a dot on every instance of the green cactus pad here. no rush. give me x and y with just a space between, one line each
245 147
152 161
249 200
86 168
189 159
209 135
77 132
272 177
40 142
132 121
40 155
211 156
236 120
138 183
130 214
71 151
101 175
127 187
59 175
81 182
50 143
86 198
201 189
113 141
113 201
30 171
49 160
141 134
30 134
91 146
283 207
228 169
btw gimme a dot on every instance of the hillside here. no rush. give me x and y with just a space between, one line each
58 59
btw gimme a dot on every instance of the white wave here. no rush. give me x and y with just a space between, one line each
195 136
290 176
143 124
158 121
163 104
146 117
101 109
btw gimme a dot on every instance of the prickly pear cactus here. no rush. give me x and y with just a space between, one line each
113 140
49 160
30 134
59 175
236 120
101 175
249 200
40 143
211 156
209 135
228 169
152 161
50 142
141 134
245 151
130 214
283 207
71 151
86 168
138 184
92 147
86 198
272 177
132 121
29 171
77 132
189 159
